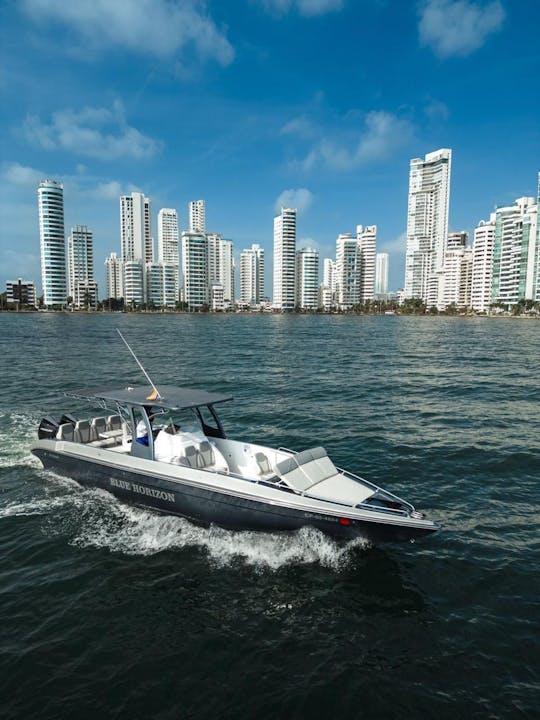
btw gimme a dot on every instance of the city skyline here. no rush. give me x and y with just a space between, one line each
259 117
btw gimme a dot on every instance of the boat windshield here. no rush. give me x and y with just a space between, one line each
174 421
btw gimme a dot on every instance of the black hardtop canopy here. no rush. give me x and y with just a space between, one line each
172 397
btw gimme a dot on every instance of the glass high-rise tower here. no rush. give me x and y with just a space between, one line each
52 242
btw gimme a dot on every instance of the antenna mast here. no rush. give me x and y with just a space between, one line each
147 376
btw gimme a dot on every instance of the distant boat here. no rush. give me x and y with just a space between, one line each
389 312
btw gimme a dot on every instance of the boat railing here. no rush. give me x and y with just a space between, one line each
384 492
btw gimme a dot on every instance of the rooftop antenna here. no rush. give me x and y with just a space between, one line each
153 395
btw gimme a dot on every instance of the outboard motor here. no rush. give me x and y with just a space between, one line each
47 429
67 418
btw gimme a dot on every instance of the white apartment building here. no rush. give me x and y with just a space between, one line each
515 252
457 276
52 242
307 279
134 290
347 271
457 240
221 265
329 274
326 298
197 216
482 264
427 226
162 284
217 296
367 242
168 254
136 242
194 269
285 260
168 237
381 274
81 286
114 277
136 228
252 275
327 290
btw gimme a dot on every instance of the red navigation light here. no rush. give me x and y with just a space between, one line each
344 521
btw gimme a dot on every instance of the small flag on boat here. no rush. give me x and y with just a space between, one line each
154 395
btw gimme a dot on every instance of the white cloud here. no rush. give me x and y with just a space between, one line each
108 190
383 132
458 27
299 126
298 198
94 132
22 175
437 110
393 247
307 8
163 28
309 242
112 190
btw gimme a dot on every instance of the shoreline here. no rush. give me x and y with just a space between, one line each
271 314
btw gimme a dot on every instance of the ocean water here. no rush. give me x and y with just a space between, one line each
108 611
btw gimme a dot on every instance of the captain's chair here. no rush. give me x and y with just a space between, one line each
206 455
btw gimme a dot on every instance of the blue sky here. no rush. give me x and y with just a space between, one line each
249 103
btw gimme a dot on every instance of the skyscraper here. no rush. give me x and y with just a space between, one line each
381 274
252 275
227 272
136 242
221 265
427 226
195 269
168 236
482 264
307 279
284 259
197 216
347 271
82 286
367 241
114 277
135 228
515 252
457 272
52 242
327 291
537 262
168 255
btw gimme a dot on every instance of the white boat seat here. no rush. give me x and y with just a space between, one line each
114 422
83 432
190 455
205 457
97 426
66 431
306 468
265 470
263 463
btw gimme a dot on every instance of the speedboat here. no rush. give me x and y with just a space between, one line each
168 451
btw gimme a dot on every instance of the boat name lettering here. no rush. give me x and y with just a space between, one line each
143 490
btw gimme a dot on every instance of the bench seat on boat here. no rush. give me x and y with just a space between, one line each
312 470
